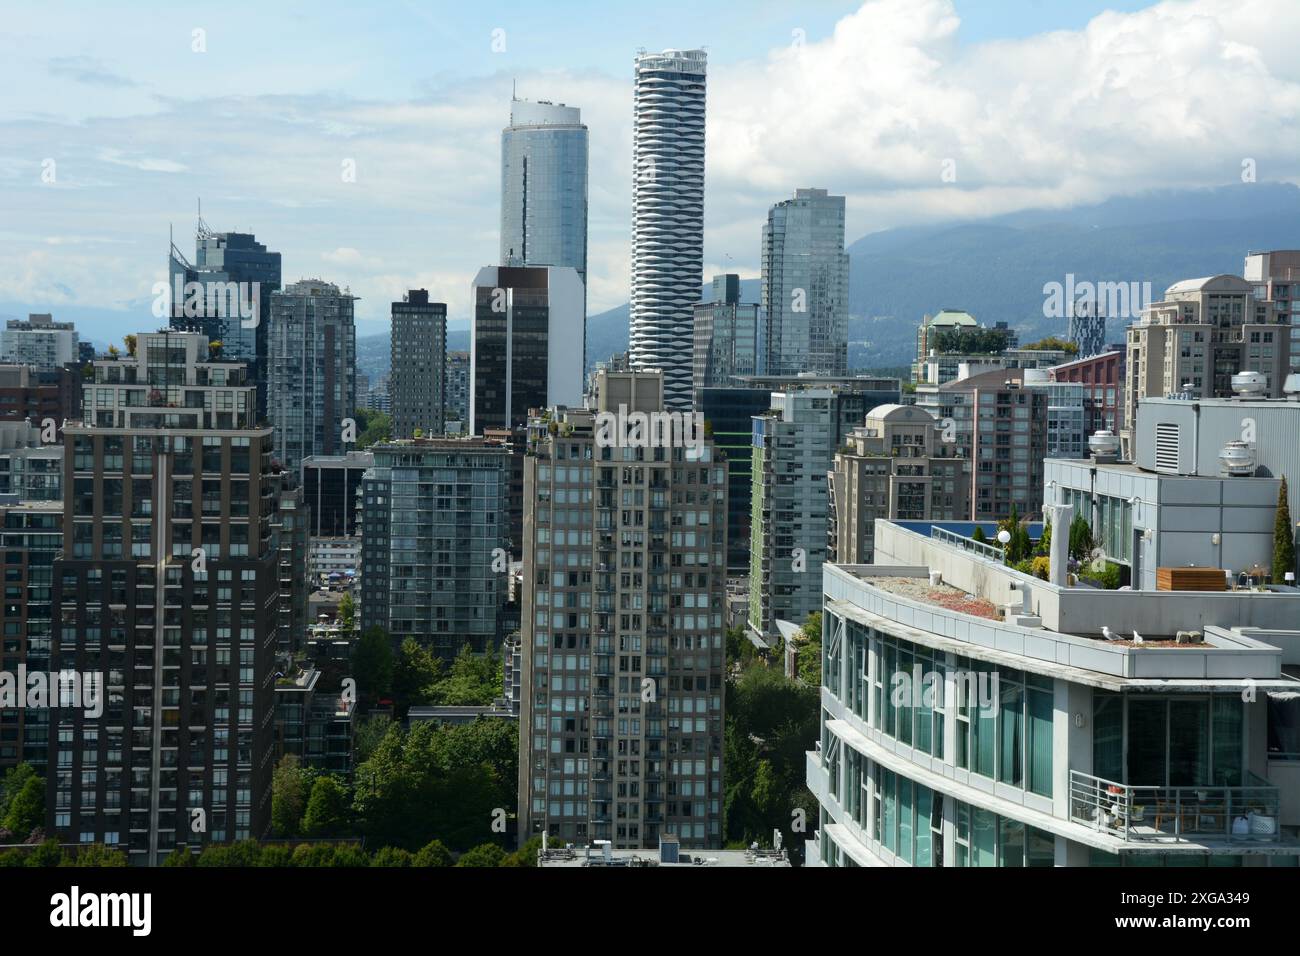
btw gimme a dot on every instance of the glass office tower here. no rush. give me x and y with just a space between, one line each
221 258
806 285
544 187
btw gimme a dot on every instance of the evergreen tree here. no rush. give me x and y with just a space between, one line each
1283 542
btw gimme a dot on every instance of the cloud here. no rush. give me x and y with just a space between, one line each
1175 95
146 164
86 69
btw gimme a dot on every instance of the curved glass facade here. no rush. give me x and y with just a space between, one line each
544 154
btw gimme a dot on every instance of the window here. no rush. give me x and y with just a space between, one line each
986 839
1169 741
1007 738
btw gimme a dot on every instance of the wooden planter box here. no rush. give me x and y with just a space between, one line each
1190 579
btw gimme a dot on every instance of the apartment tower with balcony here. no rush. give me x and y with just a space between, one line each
167 588
622 641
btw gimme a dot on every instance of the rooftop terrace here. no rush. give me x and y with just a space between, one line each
1245 636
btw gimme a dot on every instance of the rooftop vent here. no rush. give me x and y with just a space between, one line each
1167 447
1249 384
1104 445
1292 385
1237 460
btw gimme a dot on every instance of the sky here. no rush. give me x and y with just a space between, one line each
115 122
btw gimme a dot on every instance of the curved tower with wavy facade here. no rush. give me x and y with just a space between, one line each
667 214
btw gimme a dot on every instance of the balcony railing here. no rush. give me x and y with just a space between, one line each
1196 814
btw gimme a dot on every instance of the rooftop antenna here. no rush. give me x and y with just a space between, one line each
201 230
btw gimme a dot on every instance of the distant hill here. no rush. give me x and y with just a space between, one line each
996 268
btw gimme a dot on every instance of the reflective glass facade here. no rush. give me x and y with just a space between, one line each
544 187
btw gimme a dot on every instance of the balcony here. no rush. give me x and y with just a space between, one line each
1156 814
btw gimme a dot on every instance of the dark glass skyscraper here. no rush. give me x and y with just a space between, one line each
221 258
525 344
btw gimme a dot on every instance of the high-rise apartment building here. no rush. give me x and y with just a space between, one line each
40 342
793 447
623 630
312 354
457 389
226 294
1067 413
32 539
1201 334
524 343
891 467
416 384
726 338
35 394
330 485
544 187
806 286
434 531
290 528
667 214
729 415
1102 378
999 425
167 586
1277 278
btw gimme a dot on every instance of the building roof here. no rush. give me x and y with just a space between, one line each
951 317
572 857
991 379
882 412
1220 283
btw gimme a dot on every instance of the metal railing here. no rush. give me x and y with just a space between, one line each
989 551
1245 814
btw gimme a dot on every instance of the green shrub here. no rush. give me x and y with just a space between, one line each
392 856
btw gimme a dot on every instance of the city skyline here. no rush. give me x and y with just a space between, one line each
951 526
287 190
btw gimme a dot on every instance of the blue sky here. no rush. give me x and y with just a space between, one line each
867 99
